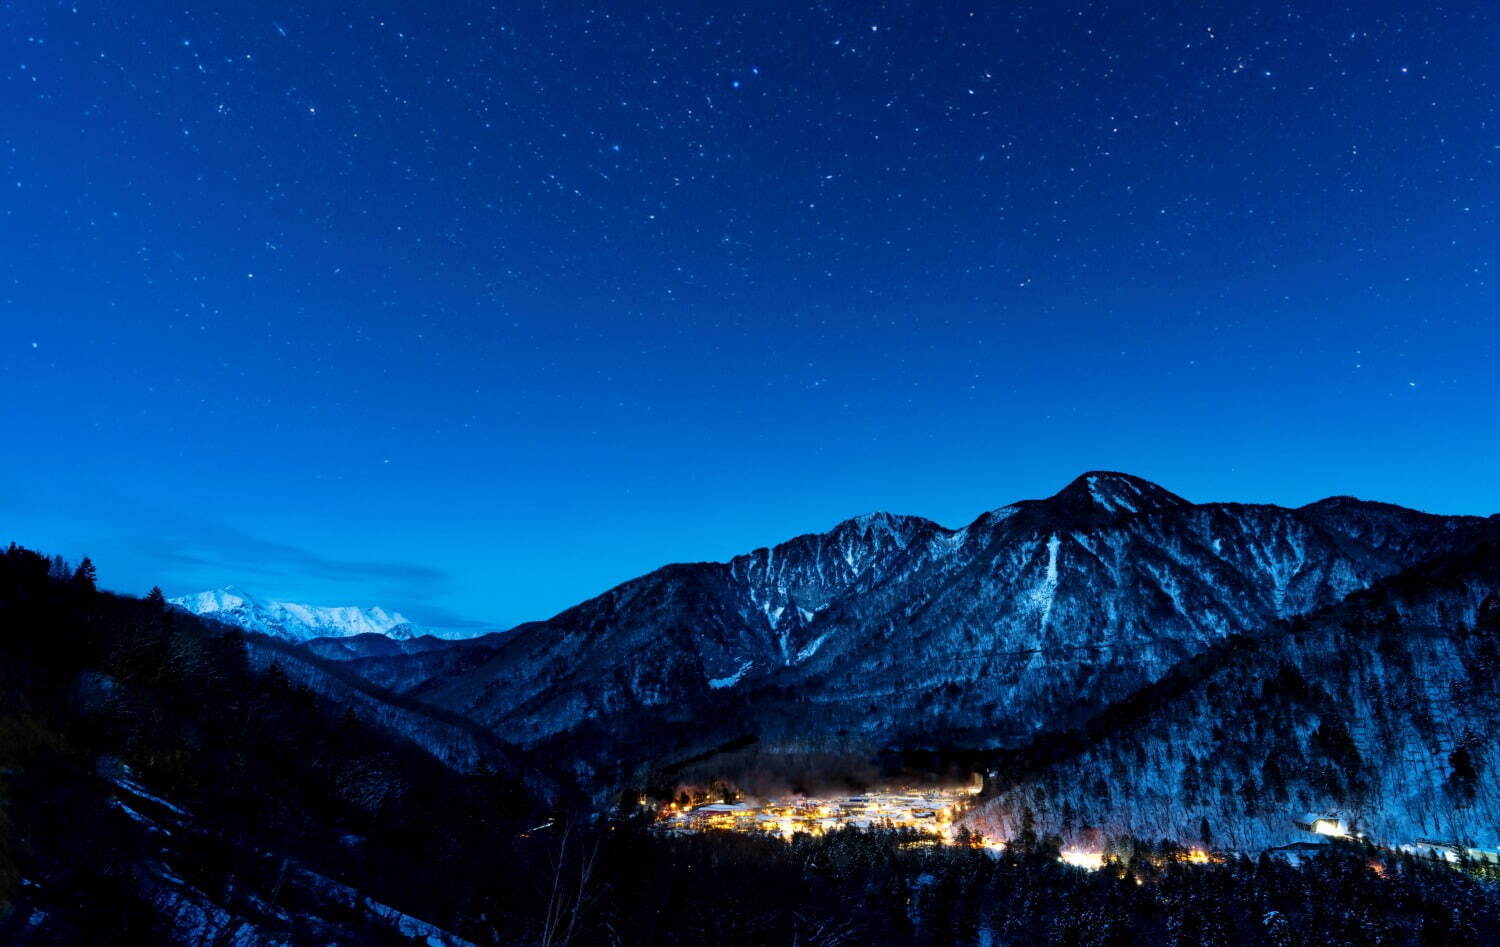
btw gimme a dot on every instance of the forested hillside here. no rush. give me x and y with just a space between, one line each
1383 710
154 786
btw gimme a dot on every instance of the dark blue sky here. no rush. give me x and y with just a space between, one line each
476 311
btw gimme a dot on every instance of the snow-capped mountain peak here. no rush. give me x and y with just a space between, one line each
209 601
291 620
1107 491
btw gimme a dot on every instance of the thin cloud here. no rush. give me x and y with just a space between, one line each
234 552
137 545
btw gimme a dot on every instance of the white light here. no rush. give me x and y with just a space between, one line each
1092 861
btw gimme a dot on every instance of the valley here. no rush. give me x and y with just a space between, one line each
1111 683
933 813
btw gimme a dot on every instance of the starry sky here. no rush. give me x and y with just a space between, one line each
475 310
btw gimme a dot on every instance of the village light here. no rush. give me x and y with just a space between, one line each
931 812
1092 861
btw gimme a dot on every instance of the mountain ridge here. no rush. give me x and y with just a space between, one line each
891 627
293 621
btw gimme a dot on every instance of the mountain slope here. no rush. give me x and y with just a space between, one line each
895 629
1061 609
1383 710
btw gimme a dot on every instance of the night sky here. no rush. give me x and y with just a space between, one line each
474 311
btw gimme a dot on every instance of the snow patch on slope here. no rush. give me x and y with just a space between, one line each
812 647
718 683
1045 594
1114 502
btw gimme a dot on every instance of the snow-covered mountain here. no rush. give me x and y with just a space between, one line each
1383 711
293 621
895 630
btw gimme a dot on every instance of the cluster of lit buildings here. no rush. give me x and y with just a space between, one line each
934 814
931 812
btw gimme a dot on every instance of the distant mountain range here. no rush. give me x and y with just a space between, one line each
295 622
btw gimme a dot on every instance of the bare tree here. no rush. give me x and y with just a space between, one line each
572 891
